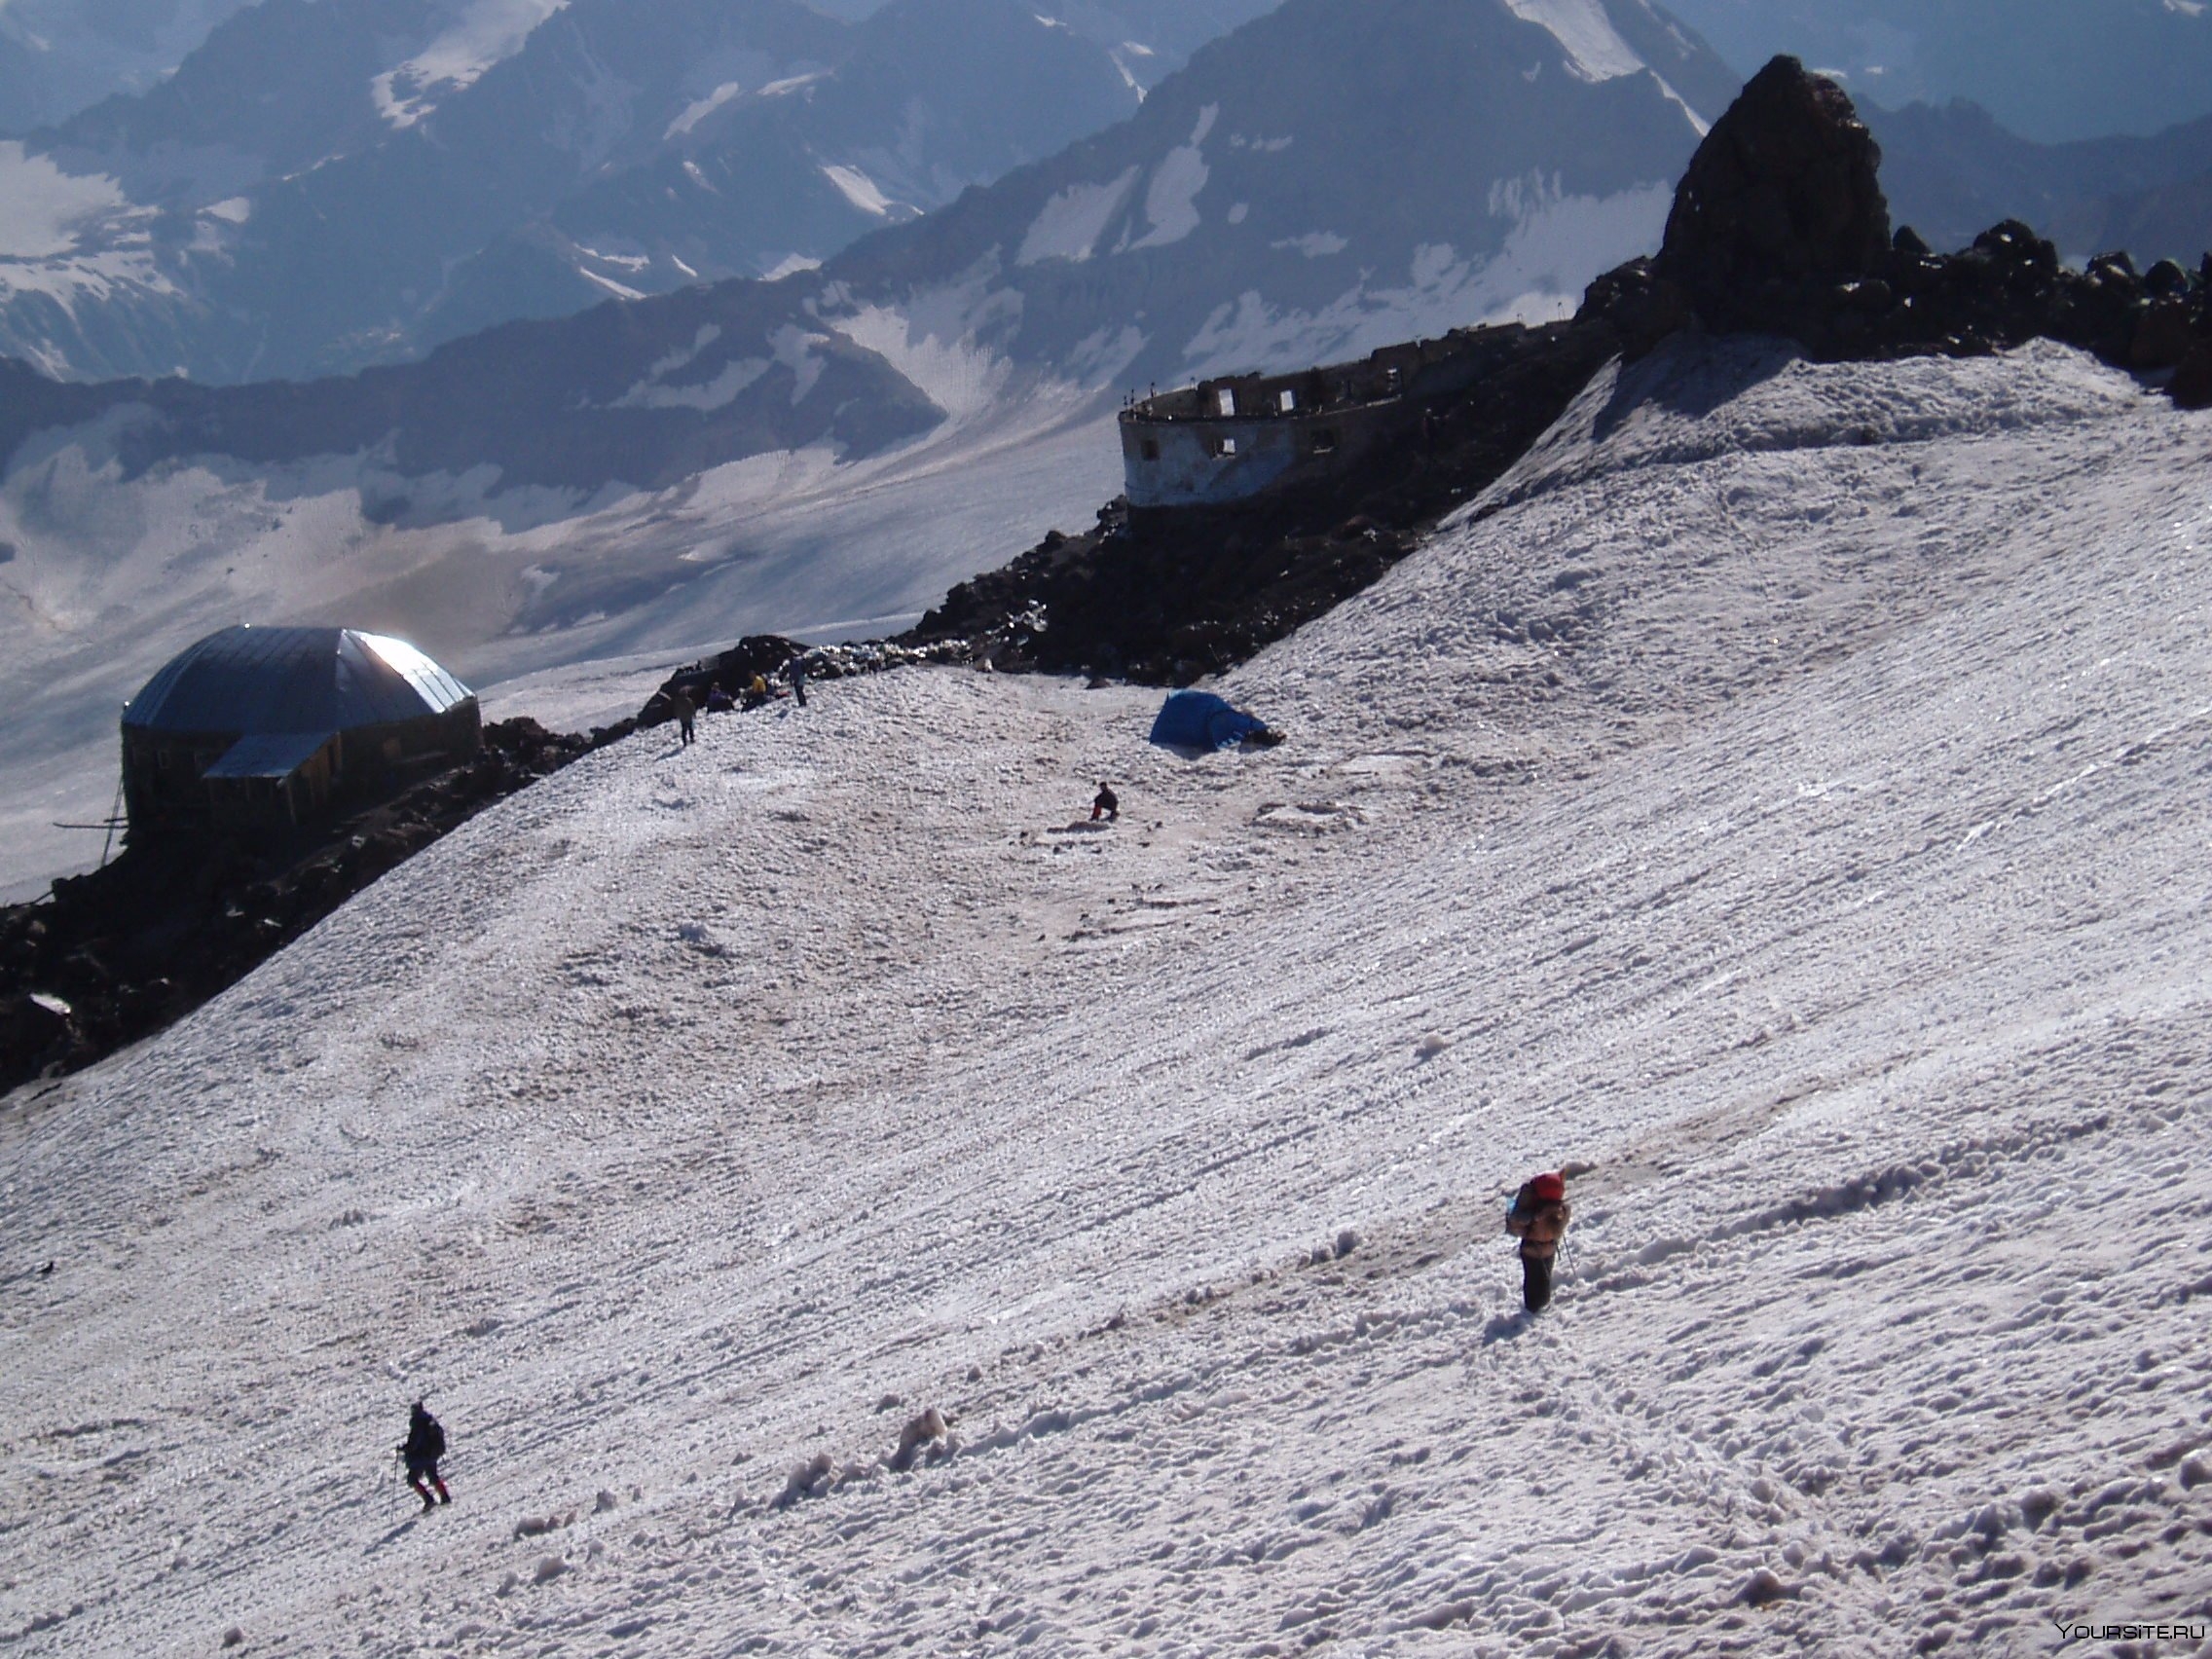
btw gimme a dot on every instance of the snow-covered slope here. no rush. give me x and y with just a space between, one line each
1784 790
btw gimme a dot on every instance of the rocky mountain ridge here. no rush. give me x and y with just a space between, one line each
1779 227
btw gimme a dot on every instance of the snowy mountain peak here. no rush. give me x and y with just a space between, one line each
1594 48
482 33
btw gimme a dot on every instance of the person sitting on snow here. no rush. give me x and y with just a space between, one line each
1106 804
1538 1217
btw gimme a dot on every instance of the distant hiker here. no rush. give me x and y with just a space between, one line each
796 671
757 692
679 704
424 1445
1105 804
1539 1214
719 701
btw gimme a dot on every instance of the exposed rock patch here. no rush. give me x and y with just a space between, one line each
1779 227
1786 188
113 956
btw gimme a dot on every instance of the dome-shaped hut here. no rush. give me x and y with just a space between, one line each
263 728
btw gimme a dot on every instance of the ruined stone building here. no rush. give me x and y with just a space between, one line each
1238 436
262 729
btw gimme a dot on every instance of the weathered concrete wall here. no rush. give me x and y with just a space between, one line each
1239 435
1196 463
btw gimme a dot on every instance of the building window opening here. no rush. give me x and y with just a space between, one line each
1286 400
1149 449
1225 401
1225 447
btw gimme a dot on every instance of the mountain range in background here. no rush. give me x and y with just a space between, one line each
1232 222
59 56
1953 172
319 187
2050 70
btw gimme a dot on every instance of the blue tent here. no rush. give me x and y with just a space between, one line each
1198 719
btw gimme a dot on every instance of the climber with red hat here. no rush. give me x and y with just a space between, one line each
1539 1214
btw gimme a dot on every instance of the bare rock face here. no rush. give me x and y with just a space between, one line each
1783 190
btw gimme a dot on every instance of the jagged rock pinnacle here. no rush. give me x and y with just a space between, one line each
1783 186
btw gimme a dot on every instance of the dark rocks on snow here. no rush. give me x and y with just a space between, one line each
113 956
730 672
1779 227
1165 598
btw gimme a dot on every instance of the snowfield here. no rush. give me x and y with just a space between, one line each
1784 792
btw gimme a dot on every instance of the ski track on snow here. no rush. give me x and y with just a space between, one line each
1784 790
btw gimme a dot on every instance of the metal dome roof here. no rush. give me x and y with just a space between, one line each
248 679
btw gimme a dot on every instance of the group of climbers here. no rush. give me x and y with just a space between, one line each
683 708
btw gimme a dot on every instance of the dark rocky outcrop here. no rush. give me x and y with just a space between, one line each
1779 227
1163 598
1785 189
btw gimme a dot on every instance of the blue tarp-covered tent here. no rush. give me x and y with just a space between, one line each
1198 719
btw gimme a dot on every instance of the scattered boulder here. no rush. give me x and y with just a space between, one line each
2168 280
1763 1589
2191 385
810 1479
922 1432
2164 334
